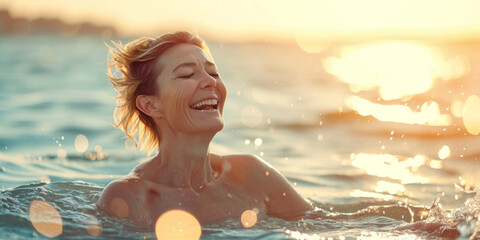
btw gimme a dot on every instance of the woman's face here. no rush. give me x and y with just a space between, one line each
191 94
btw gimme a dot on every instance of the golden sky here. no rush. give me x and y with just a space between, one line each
280 19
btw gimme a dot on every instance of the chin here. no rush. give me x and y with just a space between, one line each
217 127
213 128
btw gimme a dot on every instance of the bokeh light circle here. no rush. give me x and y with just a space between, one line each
248 218
61 153
444 152
251 116
81 143
471 115
119 207
177 224
45 219
94 227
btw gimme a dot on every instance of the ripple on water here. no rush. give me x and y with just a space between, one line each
75 203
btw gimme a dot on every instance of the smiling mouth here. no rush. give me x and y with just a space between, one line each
208 105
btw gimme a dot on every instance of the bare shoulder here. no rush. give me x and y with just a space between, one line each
251 169
247 161
125 198
283 200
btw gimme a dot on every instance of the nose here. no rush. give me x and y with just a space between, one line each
207 81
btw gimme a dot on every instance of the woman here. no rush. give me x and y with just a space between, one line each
171 97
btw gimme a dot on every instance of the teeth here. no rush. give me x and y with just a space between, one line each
205 102
211 110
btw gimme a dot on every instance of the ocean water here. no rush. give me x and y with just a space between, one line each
381 136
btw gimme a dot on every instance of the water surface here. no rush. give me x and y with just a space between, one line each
375 130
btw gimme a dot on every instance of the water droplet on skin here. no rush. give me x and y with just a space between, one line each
229 195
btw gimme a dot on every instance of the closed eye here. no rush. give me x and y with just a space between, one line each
215 75
186 76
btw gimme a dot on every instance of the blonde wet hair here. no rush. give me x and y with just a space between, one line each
134 64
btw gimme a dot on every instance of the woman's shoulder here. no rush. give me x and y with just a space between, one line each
244 167
240 160
124 198
282 200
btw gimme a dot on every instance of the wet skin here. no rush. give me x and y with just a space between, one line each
185 175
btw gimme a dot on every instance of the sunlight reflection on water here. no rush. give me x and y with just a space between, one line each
471 115
429 113
386 165
397 69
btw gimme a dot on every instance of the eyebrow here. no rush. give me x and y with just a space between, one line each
191 64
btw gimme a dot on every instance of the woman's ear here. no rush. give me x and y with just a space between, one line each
149 105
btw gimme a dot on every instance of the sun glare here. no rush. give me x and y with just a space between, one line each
471 115
388 166
397 69
391 188
429 113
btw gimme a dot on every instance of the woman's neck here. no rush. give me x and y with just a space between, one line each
183 161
